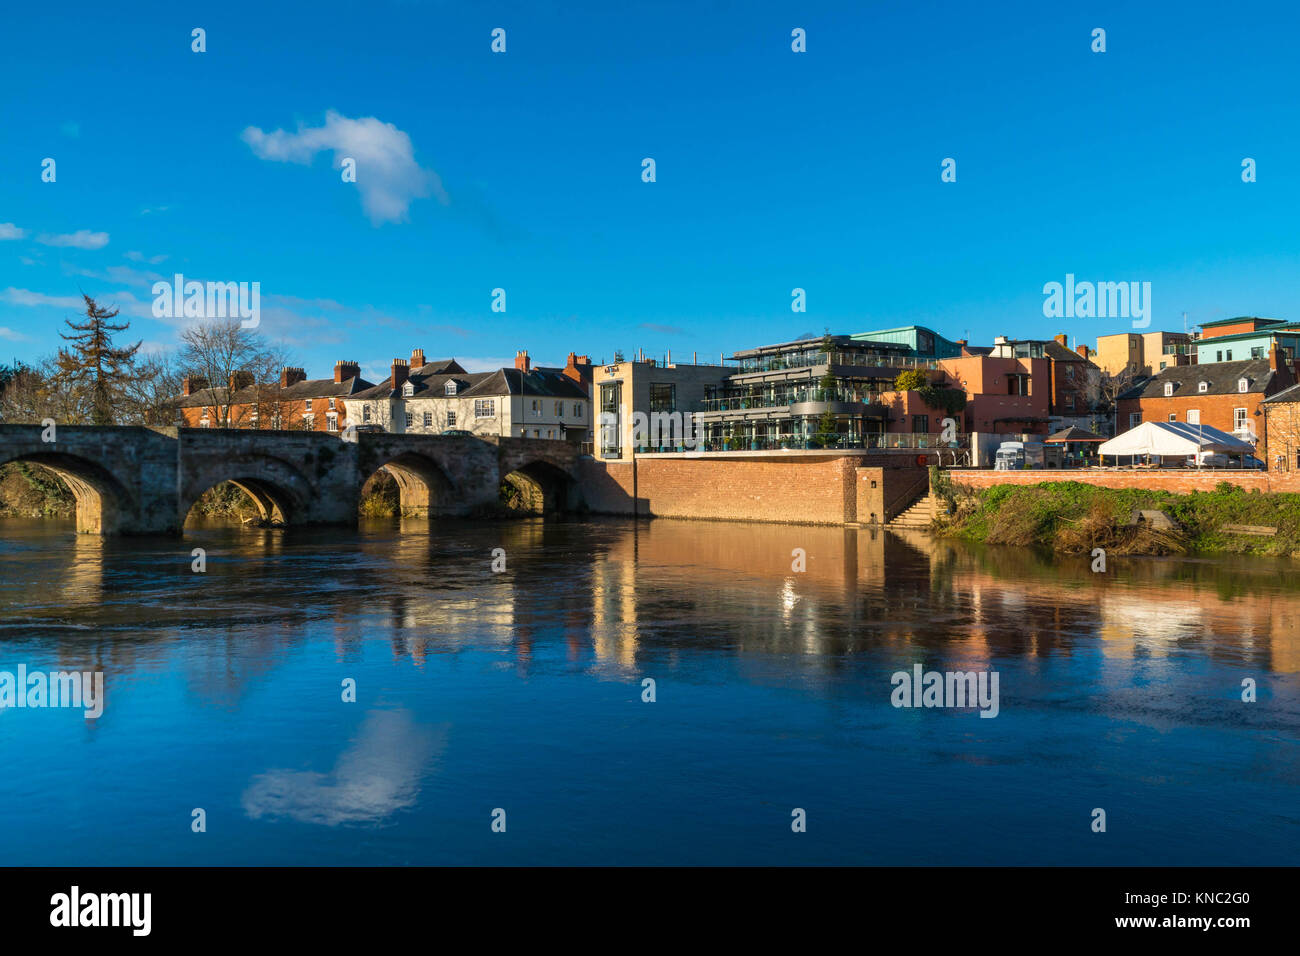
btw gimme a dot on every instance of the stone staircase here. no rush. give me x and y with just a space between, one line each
918 516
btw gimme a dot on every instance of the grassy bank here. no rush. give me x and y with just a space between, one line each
1073 518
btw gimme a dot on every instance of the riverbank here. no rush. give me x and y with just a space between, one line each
1071 517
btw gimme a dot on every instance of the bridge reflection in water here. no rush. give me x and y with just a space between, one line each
521 688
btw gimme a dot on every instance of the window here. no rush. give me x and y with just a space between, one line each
449 388
451 419
1134 419
331 404
1239 420
1173 416
1243 385
365 413
536 409
1218 356
428 419
920 424
485 407
306 406
1203 387
1169 389
663 397
1229 354
1193 416
331 423
1257 352
410 419
611 400
408 389
577 410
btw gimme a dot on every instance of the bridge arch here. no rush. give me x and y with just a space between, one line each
423 486
102 500
281 493
540 487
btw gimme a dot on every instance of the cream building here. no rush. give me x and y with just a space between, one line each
430 398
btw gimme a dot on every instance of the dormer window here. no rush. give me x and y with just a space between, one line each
1243 385
1169 389
408 389
450 388
1203 387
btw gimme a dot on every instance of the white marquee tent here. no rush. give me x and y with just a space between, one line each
1174 438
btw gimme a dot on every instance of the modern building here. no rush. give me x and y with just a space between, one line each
919 341
661 395
293 403
1247 337
780 396
1225 395
423 397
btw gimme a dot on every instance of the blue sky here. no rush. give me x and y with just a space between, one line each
522 170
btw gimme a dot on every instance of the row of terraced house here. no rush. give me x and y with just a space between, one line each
836 391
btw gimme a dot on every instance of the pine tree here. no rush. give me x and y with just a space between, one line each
93 363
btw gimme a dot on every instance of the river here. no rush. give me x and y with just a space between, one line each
516 695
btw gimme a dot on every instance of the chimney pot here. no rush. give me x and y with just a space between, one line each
522 362
417 358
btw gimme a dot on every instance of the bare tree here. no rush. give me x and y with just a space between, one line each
227 357
149 396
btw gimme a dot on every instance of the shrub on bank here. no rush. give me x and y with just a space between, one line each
1073 517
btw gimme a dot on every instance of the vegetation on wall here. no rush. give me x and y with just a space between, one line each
951 400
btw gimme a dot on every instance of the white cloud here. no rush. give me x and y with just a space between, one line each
81 239
9 231
388 176
27 297
11 336
141 257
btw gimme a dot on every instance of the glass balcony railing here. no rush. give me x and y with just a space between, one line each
776 363
781 398
887 440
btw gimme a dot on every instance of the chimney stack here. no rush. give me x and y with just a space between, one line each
522 362
1082 350
1061 340
345 370
1273 357
417 358
192 384
290 376
401 372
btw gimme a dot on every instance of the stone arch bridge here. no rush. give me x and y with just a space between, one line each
144 480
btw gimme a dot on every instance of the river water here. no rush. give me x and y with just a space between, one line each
521 691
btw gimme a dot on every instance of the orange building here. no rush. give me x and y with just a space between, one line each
294 403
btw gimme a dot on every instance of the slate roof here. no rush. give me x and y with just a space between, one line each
429 382
309 388
1221 377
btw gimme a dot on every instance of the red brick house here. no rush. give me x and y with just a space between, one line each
1225 395
294 403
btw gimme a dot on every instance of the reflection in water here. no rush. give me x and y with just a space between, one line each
377 775
1119 689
